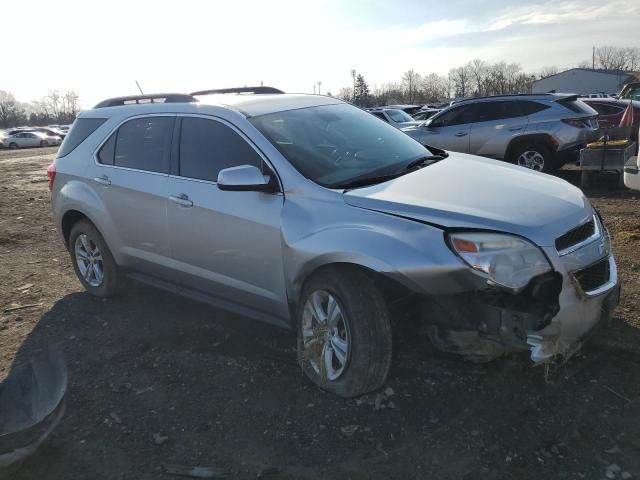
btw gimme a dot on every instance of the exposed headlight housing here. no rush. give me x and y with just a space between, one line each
504 259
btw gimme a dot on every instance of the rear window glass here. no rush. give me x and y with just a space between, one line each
80 130
603 109
577 106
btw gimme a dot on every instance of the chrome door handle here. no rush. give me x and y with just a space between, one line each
181 199
103 180
515 129
461 134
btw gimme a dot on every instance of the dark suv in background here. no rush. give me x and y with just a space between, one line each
541 132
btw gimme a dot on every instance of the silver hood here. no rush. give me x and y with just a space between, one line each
465 191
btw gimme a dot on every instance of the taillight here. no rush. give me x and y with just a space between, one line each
51 173
581 122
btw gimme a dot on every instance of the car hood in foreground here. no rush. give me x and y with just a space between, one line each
465 191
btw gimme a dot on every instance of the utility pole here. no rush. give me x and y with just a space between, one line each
319 84
314 88
593 58
353 76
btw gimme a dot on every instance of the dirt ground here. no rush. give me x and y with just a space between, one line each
220 390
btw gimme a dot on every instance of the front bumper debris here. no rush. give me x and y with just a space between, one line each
31 405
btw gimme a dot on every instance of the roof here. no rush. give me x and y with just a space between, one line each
597 70
248 104
254 105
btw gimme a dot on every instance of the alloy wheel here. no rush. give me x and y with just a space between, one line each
531 159
89 260
325 334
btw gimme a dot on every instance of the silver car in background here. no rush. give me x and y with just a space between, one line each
28 138
394 116
541 132
311 214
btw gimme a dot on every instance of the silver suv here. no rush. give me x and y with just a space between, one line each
541 131
309 213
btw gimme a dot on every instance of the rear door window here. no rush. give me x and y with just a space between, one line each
142 144
80 130
208 146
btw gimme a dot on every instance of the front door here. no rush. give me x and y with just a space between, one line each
449 131
225 244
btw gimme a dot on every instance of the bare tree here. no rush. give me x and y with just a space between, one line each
478 70
547 71
11 112
60 106
411 84
434 87
461 79
618 58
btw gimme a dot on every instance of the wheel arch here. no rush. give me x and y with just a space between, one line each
391 288
533 138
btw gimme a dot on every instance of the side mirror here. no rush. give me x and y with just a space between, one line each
245 178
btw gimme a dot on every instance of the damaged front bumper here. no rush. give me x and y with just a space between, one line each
552 317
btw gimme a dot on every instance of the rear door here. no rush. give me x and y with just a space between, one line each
449 130
226 244
130 174
495 124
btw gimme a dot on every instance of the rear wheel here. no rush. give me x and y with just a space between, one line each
13 146
43 143
536 157
92 260
344 332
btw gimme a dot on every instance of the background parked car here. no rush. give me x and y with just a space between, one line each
52 132
610 112
425 114
541 132
396 117
25 139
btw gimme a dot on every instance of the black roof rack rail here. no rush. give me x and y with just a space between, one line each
256 90
152 98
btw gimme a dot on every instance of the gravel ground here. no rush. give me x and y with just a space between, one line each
157 379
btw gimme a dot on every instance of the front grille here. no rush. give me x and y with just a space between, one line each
594 276
575 236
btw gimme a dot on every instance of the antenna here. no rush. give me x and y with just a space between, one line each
141 92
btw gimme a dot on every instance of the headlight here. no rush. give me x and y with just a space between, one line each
506 260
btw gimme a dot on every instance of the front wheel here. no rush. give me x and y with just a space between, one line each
344 332
13 146
536 157
92 260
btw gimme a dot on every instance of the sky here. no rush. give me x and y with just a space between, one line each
100 48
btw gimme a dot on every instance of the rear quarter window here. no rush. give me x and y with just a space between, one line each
80 130
528 107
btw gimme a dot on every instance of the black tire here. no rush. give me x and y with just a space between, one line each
112 280
13 146
43 143
550 162
368 322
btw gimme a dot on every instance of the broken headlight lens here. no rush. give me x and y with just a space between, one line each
506 260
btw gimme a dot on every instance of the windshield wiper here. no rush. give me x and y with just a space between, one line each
426 160
367 181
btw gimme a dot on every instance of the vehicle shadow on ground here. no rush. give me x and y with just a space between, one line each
155 379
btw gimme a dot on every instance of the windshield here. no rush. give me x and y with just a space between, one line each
399 116
335 144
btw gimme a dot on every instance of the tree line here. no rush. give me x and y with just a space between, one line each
476 78
57 107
